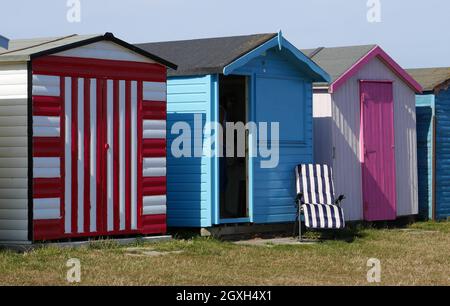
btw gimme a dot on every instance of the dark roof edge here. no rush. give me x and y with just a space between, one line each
282 42
195 72
315 52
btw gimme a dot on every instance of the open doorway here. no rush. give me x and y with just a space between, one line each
233 169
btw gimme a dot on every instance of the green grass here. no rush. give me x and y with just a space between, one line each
419 254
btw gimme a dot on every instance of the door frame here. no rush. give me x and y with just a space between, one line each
249 88
362 140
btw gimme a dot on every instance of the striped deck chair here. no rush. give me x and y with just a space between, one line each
316 200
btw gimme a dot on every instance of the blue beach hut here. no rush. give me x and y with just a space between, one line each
433 142
251 79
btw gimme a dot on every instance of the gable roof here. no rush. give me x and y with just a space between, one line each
336 61
207 55
225 54
27 49
430 78
343 62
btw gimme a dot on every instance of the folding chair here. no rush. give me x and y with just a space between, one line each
316 199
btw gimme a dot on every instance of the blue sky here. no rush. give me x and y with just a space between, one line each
414 32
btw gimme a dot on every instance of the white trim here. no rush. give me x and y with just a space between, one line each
154 167
46 209
154 200
46 162
46 131
110 158
122 154
134 123
154 205
80 166
68 156
46 172
46 121
46 85
93 156
154 129
154 91
154 210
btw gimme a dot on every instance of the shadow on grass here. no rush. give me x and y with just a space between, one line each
354 230
357 230
349 234
184 233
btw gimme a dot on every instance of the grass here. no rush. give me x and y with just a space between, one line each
417 255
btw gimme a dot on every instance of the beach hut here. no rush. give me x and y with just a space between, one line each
433 142
82 139
365 128
249 79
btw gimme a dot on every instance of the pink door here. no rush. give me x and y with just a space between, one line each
378 151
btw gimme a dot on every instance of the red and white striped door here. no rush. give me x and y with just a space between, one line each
109 135
101 142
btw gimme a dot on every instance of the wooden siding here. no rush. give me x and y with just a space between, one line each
189 179
346 162
443 155
425 111
426 106
13 153
192 182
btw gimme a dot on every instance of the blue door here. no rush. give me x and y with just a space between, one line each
286 101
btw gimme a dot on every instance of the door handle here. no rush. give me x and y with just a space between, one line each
367 152
106 146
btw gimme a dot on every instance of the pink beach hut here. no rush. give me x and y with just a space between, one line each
365 128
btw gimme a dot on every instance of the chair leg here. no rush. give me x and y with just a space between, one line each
295 226
300 223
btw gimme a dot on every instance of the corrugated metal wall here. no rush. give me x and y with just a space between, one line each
425 111
13 153
443 155
345 134
346 129
189 179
